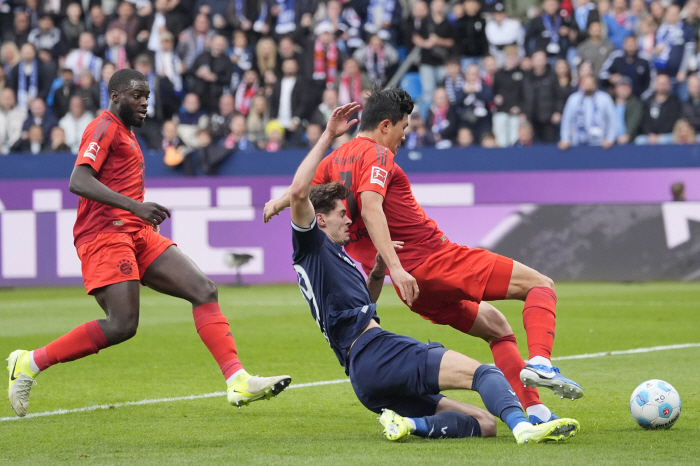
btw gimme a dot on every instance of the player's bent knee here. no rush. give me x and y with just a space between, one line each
205 293
490 323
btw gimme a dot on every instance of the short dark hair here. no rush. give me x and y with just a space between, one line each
323 196
122 79
385 104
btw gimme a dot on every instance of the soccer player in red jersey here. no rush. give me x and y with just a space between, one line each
444 282
116 235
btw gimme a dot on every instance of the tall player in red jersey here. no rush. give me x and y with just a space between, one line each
116 235
444 282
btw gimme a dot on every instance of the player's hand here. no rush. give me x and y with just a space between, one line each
338 123
270 210
407 285
151 212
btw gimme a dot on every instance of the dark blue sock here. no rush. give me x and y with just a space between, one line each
497 395
447 424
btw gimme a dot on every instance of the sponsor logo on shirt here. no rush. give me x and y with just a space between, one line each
92 151
378 176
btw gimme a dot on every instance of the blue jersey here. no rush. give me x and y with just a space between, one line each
336 291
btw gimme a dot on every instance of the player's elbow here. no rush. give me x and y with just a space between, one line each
487 423
298 192
76 185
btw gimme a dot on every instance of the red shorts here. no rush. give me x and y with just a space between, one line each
453 281
118 257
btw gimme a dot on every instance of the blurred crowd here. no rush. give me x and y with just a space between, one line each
229 75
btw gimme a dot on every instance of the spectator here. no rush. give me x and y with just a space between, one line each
274 133
220 120
565 85
209 155
638 9
351 82
540 102
442 119
454 79
58 141
170 136
502 31
162 103
417 135
692 19
551 32
465 138
647 36
524 135
190 119
210 73
33 143
241 56
97 25
108 69
289 49
163 19
194 40
83 58
690 109
116 50
47 36
240 15
589 118
629 111
661 111
12 117
383 19
620 23
473 103
378 58
89 91
329 103
675 45
326 57
488 141
678 191
266 56
20 34
596 48
168 64
683 133
311 135
470 34
127 21
73 26
247 90
628 63
39 116
508 97
585 14
63 94
290 16
9 56
75 122
656 12
345 22
290 99
258 118
30 78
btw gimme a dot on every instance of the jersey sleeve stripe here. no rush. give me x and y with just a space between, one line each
379 157
97 129
104 130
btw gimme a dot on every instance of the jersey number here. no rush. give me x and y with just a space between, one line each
346 178
308 292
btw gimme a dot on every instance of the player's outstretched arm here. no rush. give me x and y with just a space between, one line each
275 206
302 209
375 279
84 183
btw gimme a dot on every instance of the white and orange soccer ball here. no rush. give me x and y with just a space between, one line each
655 404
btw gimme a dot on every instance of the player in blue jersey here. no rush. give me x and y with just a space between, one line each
394 375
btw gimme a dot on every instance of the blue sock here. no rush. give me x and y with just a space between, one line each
447 424
497 395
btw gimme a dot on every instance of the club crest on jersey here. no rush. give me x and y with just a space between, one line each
378 176
92 151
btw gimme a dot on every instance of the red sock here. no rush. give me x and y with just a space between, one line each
508 360
215 332
539 319
80 342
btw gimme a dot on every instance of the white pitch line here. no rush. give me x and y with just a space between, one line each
315 384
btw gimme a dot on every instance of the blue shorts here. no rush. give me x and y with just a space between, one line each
396 372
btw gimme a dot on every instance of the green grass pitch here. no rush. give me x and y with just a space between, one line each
326 424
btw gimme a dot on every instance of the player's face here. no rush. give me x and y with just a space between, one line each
338 224
133 103
396 134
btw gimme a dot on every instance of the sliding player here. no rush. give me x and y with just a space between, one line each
116 235
391 374
453 280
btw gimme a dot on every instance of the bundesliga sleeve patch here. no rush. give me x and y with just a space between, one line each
91 151
378 176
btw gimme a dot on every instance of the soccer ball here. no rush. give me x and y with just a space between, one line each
655 404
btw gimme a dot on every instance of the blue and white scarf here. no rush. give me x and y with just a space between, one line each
668 36
240 14
587 123
24 94
286 21
260 22
387 7
552 29
174 77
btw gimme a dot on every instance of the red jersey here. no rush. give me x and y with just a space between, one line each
363 165
112 150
